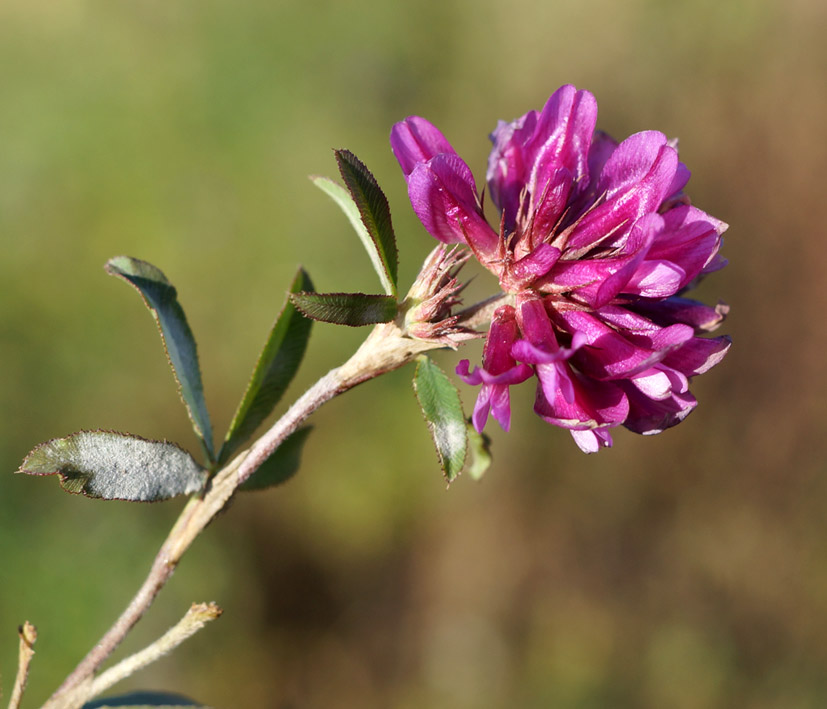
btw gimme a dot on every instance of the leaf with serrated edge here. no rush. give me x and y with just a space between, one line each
479 452
282 465
440 403
144 700
117 466
352 309
345 202
374 210
179 344
276 366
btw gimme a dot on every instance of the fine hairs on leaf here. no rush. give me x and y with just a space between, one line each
277 365
117 466
441 406
374 210
161 298
352 309
384 265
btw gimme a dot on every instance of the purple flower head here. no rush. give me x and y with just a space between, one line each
597 243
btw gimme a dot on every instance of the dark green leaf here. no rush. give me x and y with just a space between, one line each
117 466
276 366
346 203
161 298
139 700
479 448
282 465
353 309
374 210
442 408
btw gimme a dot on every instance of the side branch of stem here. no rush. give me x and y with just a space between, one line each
385 349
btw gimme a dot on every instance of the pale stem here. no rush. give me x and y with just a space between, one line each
196 618
385 349
28 635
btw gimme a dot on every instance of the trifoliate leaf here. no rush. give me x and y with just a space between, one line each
276 366
442 408
162 300
353 309
282 465
117 466
346 203
374 210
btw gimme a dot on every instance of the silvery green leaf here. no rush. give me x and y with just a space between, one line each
162 300
117 466
353 309
276 366
442 408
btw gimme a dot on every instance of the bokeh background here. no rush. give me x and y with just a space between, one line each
686 570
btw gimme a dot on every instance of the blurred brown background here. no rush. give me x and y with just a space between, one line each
686 570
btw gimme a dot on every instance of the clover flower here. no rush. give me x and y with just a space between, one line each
597 243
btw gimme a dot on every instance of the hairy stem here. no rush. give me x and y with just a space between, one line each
196 618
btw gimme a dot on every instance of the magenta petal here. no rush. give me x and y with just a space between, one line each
473 378
516 375
591 440
660 382
501 406
536 326
535 265
647 416
630 165
683 310
656 279
481 408
635 250
507 167
502 334
612 355
689 239
415 141
593 404
698 355
548 205
682 176
444 197
562 138
634 181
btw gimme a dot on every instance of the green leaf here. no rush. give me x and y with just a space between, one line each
442 408
140 700
387 275
353 309
276 366
179 344
282 465
479 447
117 466
374 210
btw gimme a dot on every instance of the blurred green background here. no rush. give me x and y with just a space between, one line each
686 570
